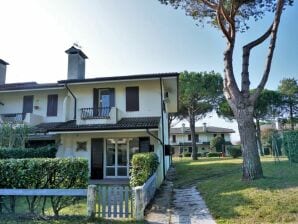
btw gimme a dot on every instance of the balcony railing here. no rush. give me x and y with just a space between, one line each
12 118
95 113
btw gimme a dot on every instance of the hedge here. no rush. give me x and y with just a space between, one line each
214 154
234 151
143 167
291 145
22 153
45 174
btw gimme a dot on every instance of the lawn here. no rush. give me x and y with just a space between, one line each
72 214
273 199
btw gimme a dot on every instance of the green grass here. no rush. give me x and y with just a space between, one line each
70 215
273 199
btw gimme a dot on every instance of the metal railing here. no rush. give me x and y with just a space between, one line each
13 117
95 113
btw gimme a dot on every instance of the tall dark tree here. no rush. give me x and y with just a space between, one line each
267 107
198 95
289 90
231 16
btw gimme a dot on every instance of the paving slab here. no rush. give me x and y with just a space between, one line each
177 206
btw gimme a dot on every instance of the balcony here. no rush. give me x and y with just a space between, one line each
21 118
100 115
95 113
12 118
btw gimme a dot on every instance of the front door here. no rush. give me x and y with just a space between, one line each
97 158
27 105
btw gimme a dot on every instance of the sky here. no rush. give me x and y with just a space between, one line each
129 37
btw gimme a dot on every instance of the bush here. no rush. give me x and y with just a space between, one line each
217 143
291 145
234 151
45 173
214 154
143 167
186 154
22 153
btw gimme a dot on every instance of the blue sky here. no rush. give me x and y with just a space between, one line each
127 37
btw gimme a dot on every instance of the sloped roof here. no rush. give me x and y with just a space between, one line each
35 85
28 85
209 129
124 123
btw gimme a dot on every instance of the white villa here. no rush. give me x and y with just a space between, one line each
180 138
105 120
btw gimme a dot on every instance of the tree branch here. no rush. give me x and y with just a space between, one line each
245 83
271 48
221 24
210 4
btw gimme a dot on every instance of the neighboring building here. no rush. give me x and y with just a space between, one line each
105 120
180 138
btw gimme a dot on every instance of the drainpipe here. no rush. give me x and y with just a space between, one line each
152 135
75 101
162 127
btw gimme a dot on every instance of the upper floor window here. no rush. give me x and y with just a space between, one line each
174 138
197 137
214 135
223 136
52 105
189 137
132 98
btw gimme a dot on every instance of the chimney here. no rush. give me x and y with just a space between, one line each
183 128
3 65
76 63
204 127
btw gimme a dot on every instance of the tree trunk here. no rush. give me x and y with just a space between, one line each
291 116
252 168
192 126
259 142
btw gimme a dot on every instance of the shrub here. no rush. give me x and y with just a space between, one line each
186 154
291 145
217 143
143 167
214 154
22 153
235 151
45 173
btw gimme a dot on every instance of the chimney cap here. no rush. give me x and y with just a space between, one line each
74 50
3 62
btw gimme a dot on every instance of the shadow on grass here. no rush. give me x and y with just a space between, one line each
271 199
66 219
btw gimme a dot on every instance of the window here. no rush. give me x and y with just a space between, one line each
190 149
197 137
189 137
52 105
223 136
132 98
174 138
214 135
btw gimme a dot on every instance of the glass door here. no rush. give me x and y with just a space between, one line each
117 158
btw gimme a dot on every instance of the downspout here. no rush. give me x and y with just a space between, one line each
152 135
162 127
75 101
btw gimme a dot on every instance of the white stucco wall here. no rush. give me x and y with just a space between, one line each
149 97
68 145
13 103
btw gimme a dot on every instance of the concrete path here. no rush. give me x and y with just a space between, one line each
189 208
177 206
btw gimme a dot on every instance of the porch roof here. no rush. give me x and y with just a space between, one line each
124 123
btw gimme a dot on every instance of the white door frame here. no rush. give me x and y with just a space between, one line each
116 166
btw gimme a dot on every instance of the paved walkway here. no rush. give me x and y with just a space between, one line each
177 206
